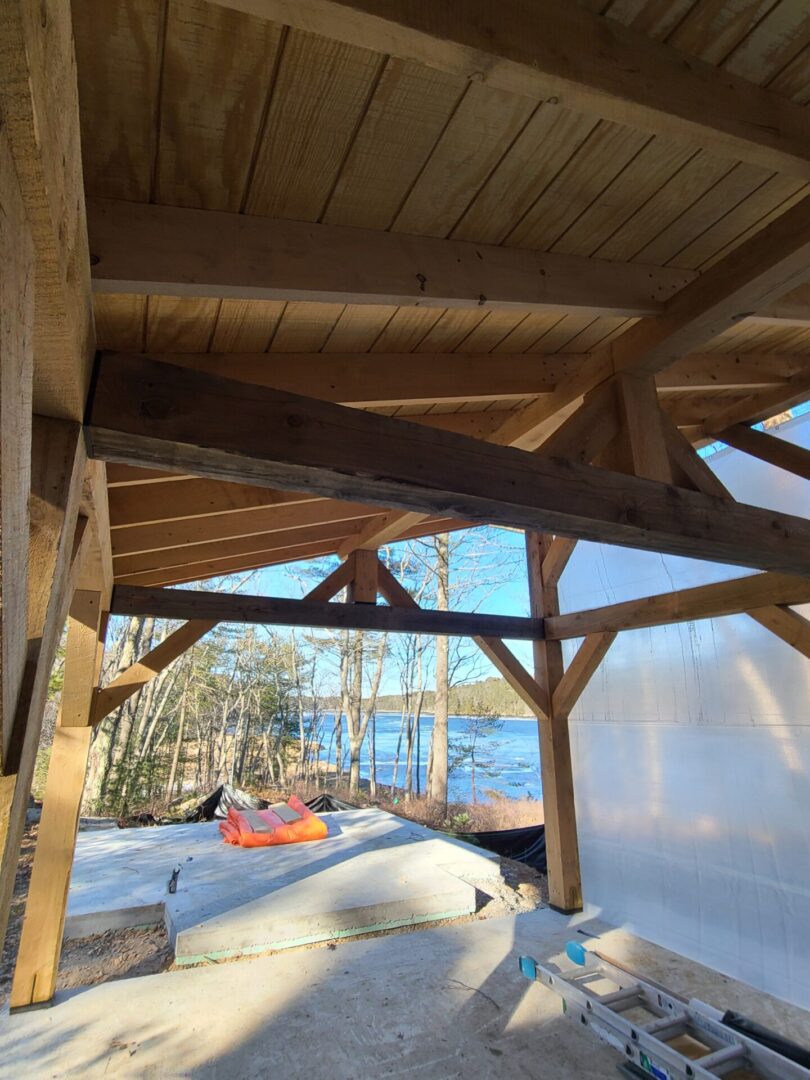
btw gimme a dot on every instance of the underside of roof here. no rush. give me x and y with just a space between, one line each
209 107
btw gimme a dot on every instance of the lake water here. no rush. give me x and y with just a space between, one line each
513 751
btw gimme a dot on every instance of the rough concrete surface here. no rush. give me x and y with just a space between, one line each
441 1003
374 871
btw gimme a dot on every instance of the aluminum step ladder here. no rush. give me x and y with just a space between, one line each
661 1034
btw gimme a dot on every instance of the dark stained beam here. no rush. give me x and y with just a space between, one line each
277 611
145 413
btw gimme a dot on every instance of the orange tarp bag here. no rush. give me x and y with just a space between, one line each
282 823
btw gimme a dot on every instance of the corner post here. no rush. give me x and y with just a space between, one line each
562 849
41 941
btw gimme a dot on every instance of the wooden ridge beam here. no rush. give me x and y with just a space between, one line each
269 610
147 250
768 448
575 59
144 413
701 602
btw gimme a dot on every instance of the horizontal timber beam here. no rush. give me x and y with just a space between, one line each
277 611
144 413
382 379
570 58
143 249
701 602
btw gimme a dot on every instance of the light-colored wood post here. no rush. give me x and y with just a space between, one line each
363 587
41 941
58 464
562 849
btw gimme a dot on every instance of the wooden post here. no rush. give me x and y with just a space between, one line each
564 884
41 941
58 463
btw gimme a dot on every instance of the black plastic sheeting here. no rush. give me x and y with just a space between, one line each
791 1050
221 800
524 845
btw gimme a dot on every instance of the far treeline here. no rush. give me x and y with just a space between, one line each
492 695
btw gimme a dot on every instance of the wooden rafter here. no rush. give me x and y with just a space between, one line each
143 413
769 448
576 59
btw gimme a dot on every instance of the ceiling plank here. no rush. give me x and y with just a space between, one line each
579 60
154 250
145 413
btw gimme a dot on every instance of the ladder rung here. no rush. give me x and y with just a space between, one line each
677 1020
620 997
723 1056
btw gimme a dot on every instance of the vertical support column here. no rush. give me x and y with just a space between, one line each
363 587
58 462
41 941
562 849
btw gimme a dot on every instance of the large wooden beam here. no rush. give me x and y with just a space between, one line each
138 248
572 58
559 811
270 610
383 379
145 413
40 110
16 372
700 602
57 473
769 448
41 940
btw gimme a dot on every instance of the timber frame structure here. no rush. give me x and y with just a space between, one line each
292 278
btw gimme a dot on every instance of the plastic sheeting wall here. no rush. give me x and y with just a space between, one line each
692 763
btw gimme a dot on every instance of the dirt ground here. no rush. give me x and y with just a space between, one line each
122 954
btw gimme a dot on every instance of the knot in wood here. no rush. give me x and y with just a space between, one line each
155 408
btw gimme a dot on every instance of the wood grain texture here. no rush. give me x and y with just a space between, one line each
191 253
148 414
701 602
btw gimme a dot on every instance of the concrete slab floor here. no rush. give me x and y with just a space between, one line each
441 1004
374 871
